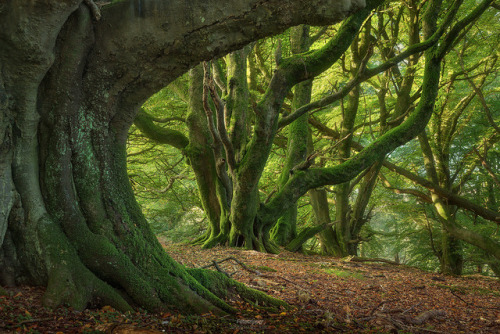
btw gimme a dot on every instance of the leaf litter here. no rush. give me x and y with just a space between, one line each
326 295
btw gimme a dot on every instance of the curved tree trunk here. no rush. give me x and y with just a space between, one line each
69 90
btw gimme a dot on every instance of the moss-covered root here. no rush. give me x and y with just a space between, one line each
79 288
270 246
69 281
203 238
221 286
3 292
215 241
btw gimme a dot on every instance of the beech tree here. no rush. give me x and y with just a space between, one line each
229 177
72 79
70 87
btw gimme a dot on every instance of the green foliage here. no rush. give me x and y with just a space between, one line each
160 175
399 221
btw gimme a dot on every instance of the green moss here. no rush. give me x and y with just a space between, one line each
214 281
144 122
220 285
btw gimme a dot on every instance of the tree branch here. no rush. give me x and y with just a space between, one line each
94 9
450 197
362 75
221 126
219 77
424 197
453 35
217 145
487 167
480 95
144 123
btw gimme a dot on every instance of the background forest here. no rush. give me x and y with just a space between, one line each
432 203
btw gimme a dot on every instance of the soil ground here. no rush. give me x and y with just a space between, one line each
326 295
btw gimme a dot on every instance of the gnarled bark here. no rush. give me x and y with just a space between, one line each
70 89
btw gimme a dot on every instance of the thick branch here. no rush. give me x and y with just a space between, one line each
450 196
291 71
455 31
144 122
362 75
217 145
221 125
173 36
302 181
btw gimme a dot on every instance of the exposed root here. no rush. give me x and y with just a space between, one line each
243 265
364 259
94 9
221 285
212 242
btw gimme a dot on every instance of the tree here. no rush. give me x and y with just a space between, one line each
457 174
239 168
239 158
70 88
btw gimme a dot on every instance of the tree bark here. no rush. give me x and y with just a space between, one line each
298 135
69 90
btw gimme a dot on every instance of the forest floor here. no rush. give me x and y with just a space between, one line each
325 294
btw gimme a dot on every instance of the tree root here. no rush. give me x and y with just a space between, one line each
243 265
221 285
94 9
214 241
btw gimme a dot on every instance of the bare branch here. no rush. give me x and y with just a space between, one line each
219 76
480 95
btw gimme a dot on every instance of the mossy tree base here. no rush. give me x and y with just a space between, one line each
67 103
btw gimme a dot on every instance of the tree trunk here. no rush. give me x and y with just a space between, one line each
327 237
298 135
451 256
69 90
202 160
